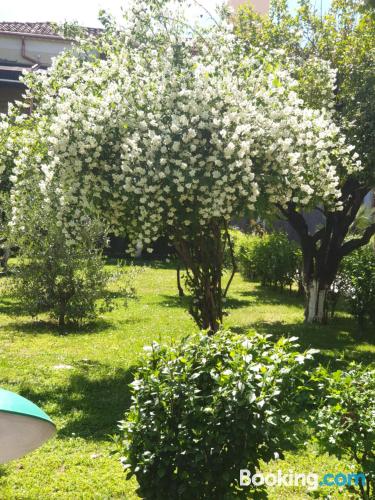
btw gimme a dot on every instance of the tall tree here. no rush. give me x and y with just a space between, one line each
344 38
160 126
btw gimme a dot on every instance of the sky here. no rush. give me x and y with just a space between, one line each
83 11
319 4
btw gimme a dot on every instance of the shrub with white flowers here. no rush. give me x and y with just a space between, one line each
166 129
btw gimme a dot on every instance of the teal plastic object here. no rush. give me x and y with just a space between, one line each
23 426
13 403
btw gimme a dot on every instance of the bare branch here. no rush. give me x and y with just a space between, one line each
206 11
296 220
352 245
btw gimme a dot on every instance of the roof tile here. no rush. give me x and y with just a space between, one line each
41 29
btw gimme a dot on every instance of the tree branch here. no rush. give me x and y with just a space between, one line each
352 245
296 220
318 235
352 205
206 11
234 266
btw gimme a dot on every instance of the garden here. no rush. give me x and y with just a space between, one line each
235 333
82 379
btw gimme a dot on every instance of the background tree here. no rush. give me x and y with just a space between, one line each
344 38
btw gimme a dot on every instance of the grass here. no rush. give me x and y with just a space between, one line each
81 380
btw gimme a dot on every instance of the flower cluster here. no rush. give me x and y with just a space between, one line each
163 128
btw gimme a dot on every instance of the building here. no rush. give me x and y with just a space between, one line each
25 46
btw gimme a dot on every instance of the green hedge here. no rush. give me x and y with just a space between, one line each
356 282
272 259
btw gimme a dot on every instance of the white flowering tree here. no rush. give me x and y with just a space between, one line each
4 197
166 129
15 128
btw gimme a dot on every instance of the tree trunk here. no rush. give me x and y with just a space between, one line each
324 250
179 286
62 308
319 271
316 302
202 255
61 320
5 257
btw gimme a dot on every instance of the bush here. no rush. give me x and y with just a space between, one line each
245 255
272 259
239 242
356 282
346 420
64 280
206 408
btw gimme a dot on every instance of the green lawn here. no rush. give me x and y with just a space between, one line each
81 380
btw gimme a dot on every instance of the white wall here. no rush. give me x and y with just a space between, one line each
40 49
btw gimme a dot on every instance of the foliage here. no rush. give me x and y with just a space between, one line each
345 422
364 217
342 39
332 57
273 259
64 280
5 213
244 252
237 238
206 407
276 260
357 283
14 130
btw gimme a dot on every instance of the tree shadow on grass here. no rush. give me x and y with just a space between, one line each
267 296
40 327
337 341
246 298
147 263
231 302
275 296
95 399
176 301
11 307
